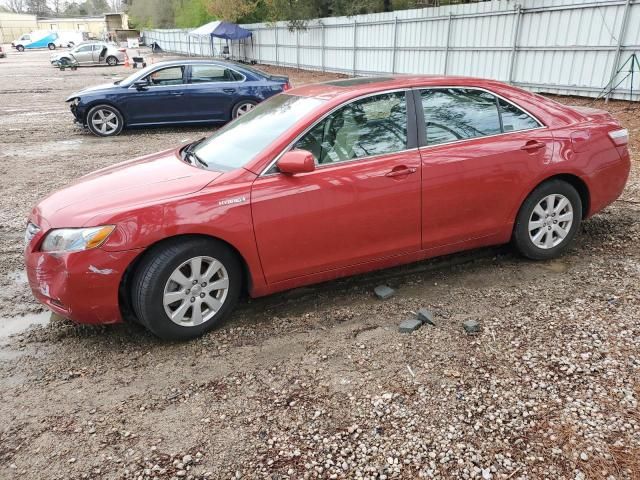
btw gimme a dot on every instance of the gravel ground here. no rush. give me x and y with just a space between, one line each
317 382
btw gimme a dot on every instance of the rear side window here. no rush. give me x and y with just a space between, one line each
514 119
453 114
213 73
457 114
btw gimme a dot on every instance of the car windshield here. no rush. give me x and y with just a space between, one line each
234 145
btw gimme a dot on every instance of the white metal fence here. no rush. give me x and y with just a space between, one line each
556 46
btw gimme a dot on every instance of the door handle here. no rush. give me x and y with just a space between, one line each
401 171
177 94
229 90
532 146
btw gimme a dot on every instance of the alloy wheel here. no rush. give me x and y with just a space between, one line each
196 291
105 121
550 222
244 108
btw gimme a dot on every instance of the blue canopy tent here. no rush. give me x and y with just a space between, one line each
225 30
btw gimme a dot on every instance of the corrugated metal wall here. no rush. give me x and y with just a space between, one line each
556 46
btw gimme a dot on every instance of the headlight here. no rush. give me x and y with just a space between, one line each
32 231
76 239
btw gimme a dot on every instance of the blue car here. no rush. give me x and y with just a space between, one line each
186 92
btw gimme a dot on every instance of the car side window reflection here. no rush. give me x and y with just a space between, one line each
457 113
375 125
514 119
213 73
166 76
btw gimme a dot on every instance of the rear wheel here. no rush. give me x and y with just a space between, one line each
112 61
105 121
20 48
548 220
243 107
186 287
51 46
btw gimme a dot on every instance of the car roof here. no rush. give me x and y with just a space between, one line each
350 87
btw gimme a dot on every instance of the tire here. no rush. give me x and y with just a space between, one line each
242 107
20 48
105 121
51 46
540 225
154 279
112 61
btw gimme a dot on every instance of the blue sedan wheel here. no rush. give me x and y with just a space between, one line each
104 121
243 107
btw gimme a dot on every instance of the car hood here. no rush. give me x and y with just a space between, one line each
121 187
96 88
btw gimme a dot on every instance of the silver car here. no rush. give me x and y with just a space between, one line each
91 53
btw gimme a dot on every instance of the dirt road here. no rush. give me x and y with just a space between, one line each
318 383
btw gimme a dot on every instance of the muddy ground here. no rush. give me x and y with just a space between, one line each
318 383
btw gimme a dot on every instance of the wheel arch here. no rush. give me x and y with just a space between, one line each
572 179
124 300
101 101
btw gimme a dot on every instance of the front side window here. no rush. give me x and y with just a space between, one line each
372 126
166 76
83 48
453 114
25 38
213 73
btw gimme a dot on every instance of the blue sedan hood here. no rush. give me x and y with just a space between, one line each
98 88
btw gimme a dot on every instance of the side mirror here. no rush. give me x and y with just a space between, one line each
141 84
296 161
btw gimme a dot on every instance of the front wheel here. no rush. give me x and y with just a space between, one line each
105 121
186 287
20 48
112 61
548 220
243 107
51 46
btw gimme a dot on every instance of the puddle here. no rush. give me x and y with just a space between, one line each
12 325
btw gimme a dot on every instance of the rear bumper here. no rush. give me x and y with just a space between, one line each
607 183
81 286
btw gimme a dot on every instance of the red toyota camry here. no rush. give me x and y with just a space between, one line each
324 181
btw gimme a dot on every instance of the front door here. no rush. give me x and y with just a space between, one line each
477 149
162 100
361 203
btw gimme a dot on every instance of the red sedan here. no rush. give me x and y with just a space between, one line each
324 181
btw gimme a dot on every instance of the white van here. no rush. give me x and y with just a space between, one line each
70 38
37 39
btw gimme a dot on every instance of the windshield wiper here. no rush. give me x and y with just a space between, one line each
190 154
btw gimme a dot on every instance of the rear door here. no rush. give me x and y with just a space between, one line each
361 203
161 100
477 152
212 91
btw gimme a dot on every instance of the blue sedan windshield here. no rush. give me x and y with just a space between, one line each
234 145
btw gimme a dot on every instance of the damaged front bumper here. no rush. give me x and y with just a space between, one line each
81 286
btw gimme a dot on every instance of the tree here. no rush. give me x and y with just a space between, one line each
231 10
17 6
152 13
192 13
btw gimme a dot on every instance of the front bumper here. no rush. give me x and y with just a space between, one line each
82 286
77 114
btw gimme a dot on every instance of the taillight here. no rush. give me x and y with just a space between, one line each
122 50
286 86
619 137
